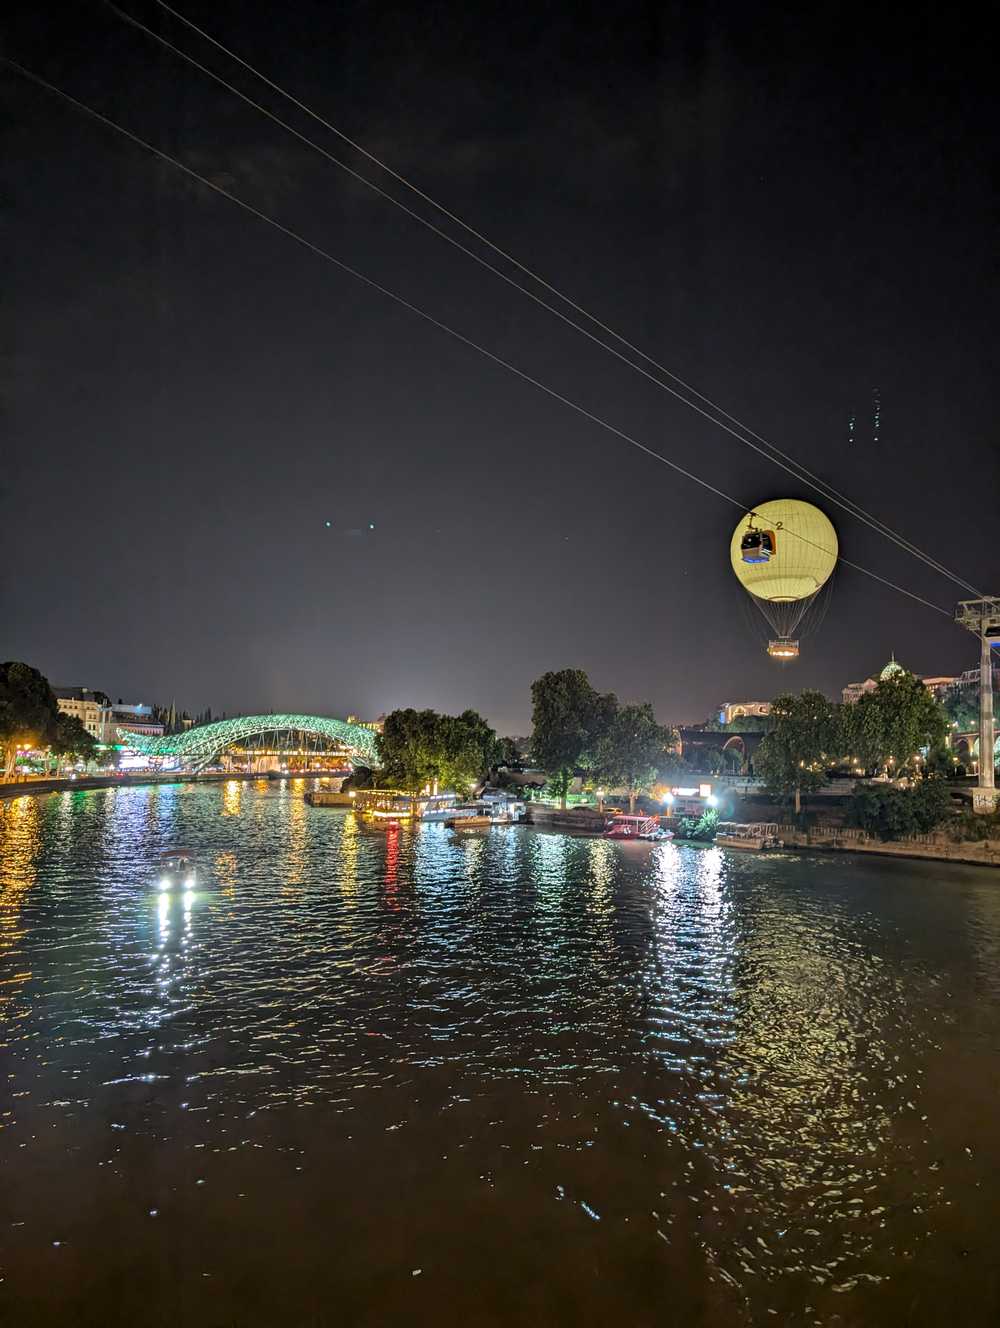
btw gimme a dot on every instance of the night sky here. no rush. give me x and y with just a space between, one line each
788 209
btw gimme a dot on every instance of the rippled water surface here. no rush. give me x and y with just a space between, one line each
366 1076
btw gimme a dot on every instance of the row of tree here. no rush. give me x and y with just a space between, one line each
179 721
896 728
576 729
29 715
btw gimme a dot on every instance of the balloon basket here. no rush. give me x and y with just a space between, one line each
783 649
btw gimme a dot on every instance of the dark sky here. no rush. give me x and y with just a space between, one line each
787 208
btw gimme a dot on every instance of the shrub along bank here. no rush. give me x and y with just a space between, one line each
888 812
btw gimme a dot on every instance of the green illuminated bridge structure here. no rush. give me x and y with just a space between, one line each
204 745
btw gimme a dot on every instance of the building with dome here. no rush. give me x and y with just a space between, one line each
936 684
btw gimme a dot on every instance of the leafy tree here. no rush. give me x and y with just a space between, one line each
631 750
889 725
507 752
732 761
794 755
70 738
961 707
28 710
417 747
569 719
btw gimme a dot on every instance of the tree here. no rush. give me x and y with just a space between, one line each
569 719
70 738
507 752
794 755
631 750
419 747
28 710
961 708
889 725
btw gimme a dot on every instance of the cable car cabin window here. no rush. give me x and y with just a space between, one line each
757 546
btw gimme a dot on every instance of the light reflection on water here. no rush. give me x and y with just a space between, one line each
568 1080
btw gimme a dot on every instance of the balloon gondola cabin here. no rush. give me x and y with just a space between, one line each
758 546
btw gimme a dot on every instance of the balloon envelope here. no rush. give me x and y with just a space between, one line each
805 551
804 556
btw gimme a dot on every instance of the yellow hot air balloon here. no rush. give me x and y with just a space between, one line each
783 553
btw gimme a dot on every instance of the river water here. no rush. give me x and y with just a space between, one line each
360 1077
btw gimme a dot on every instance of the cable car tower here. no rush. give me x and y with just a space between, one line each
982 616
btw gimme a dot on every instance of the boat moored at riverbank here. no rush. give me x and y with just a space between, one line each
754 837
623 826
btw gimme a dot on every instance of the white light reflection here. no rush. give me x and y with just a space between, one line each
603 857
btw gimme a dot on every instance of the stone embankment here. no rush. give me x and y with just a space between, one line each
936 847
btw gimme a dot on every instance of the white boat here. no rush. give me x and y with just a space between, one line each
491 809
753 837
502 808
439 807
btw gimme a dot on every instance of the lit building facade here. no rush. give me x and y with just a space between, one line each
936 684
91 708
375 725
137 718
733 710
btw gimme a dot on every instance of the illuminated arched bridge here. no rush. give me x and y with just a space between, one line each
203 745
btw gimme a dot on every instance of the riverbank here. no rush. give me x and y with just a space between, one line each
932 848
582 821
824 839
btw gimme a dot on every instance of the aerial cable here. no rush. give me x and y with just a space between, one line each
400 300
772 453
424 222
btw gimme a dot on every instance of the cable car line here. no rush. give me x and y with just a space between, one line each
420 313
772 453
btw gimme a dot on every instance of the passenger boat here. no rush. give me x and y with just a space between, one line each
753 837
490 809
622 826
439 807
